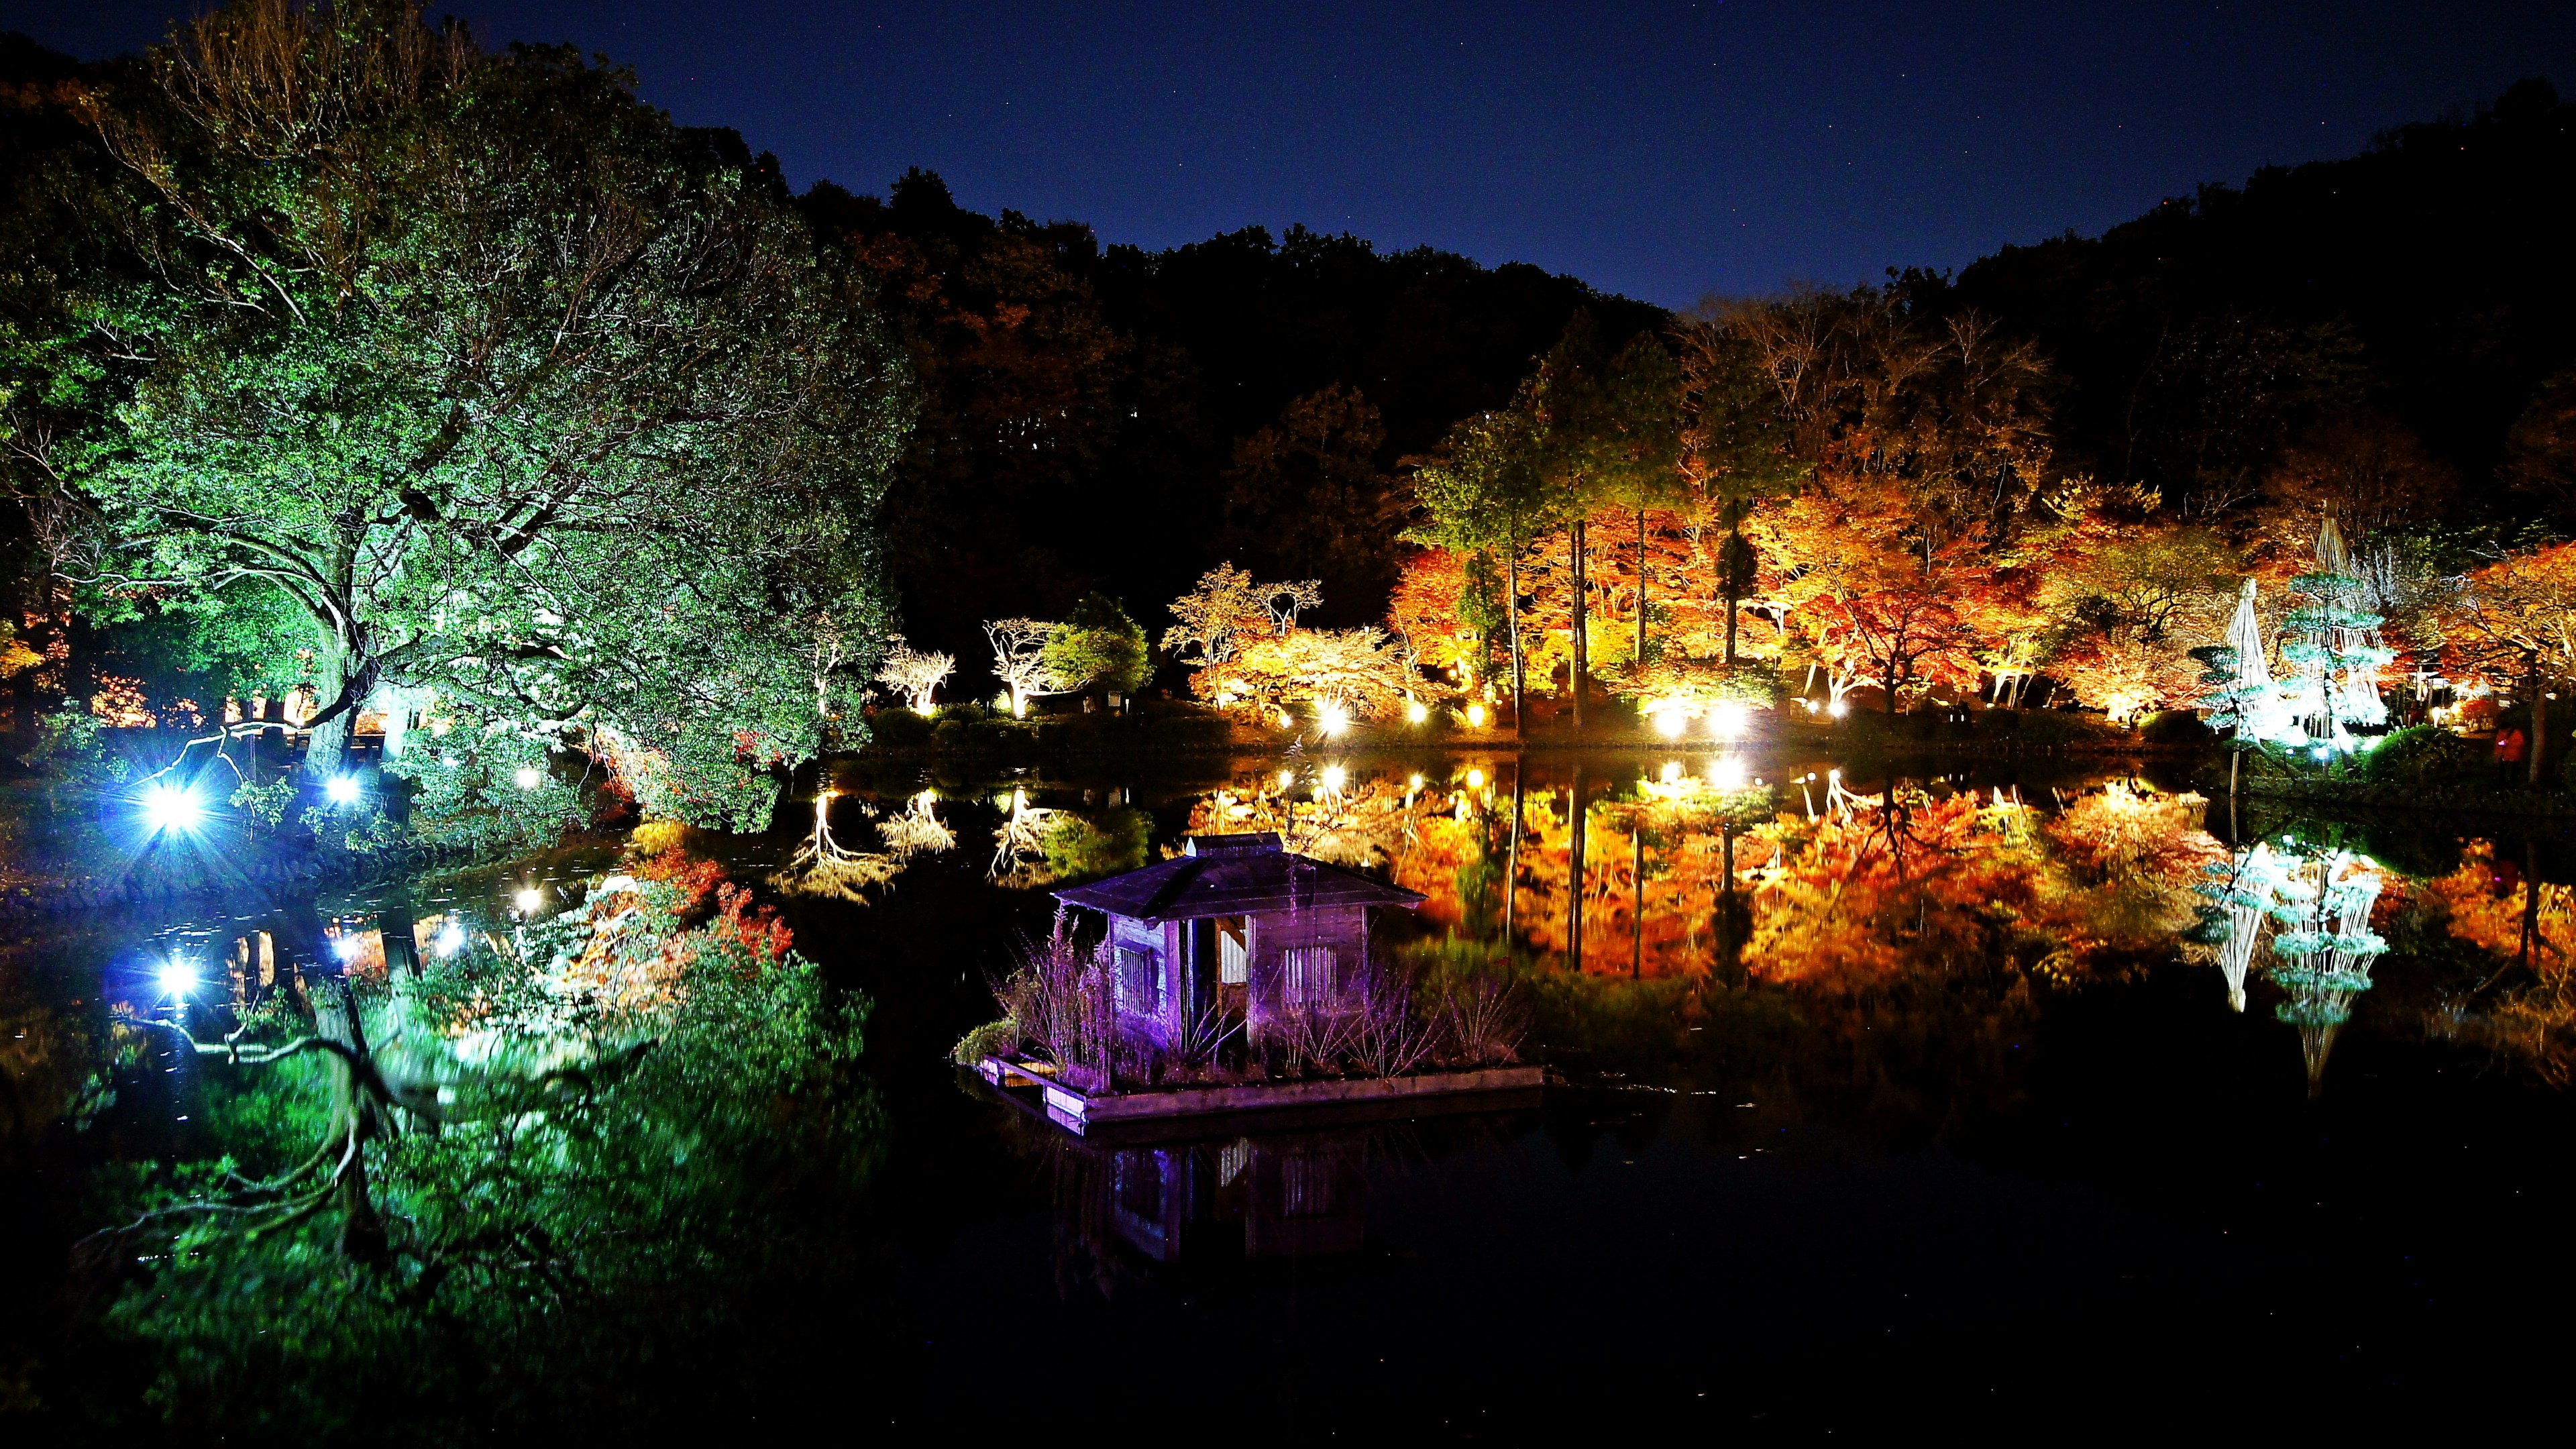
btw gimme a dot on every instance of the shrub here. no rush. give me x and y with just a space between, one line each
2065 727
2420 755
900 729
992 1039
2177 727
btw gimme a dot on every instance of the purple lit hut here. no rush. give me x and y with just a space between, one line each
1239 927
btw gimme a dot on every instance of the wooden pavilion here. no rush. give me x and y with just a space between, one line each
1239 926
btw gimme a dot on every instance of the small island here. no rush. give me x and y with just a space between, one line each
1233 977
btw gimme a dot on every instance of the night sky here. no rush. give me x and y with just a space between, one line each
1665 150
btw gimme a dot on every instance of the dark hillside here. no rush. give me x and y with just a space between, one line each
1122 420
2426 280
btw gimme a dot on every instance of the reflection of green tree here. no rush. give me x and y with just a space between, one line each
1082 845
561 1189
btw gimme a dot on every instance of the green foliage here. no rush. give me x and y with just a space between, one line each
466 796
993 1038
2418 755
1097 644
69 754
264 803
612 1184
483 378
1088 844
2177 727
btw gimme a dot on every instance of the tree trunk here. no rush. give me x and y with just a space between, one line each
1574 876
327 749
1512 613
1512 862
2539 748
335 1019
1578 636
1641 591
1637 905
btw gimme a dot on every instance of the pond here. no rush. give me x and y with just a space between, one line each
1991 1096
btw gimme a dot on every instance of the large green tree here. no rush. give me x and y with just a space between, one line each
1488 497
515 390
1610 433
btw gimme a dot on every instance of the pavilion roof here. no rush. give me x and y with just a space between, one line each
1234 875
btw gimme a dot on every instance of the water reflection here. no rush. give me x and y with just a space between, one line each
1214 1206
1758 957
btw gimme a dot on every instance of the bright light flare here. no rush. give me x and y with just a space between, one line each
1838 709
1672 772
527 777
1333 778
1413 782
1417 712
1727 773
342 789
450 941
1475 779
1670 723
1332 719
528 899
1287 778
1476 716
1729 721
348 948
177 977
172 807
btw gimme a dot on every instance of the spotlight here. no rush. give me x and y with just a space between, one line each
2321 752
1413 783
1332 719
1475 779
527 777
347 948
178 977
450 941
1417 711
528 899
1287 778
1333 777
1672 773
1670 723
1728 774
1838 709
171 807
1476 715
342 789
1728 721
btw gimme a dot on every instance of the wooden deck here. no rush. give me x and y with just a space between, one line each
1084 1113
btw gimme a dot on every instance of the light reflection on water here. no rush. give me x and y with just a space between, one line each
1865 1020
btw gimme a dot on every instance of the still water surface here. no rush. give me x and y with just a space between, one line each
1886 1101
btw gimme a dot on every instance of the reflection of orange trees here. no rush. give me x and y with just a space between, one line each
2529 929
1362 823
2510 915
2134 857
1917 886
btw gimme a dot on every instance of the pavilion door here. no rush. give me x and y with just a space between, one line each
1220 964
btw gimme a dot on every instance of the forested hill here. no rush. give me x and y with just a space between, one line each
1118 419
2425 283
